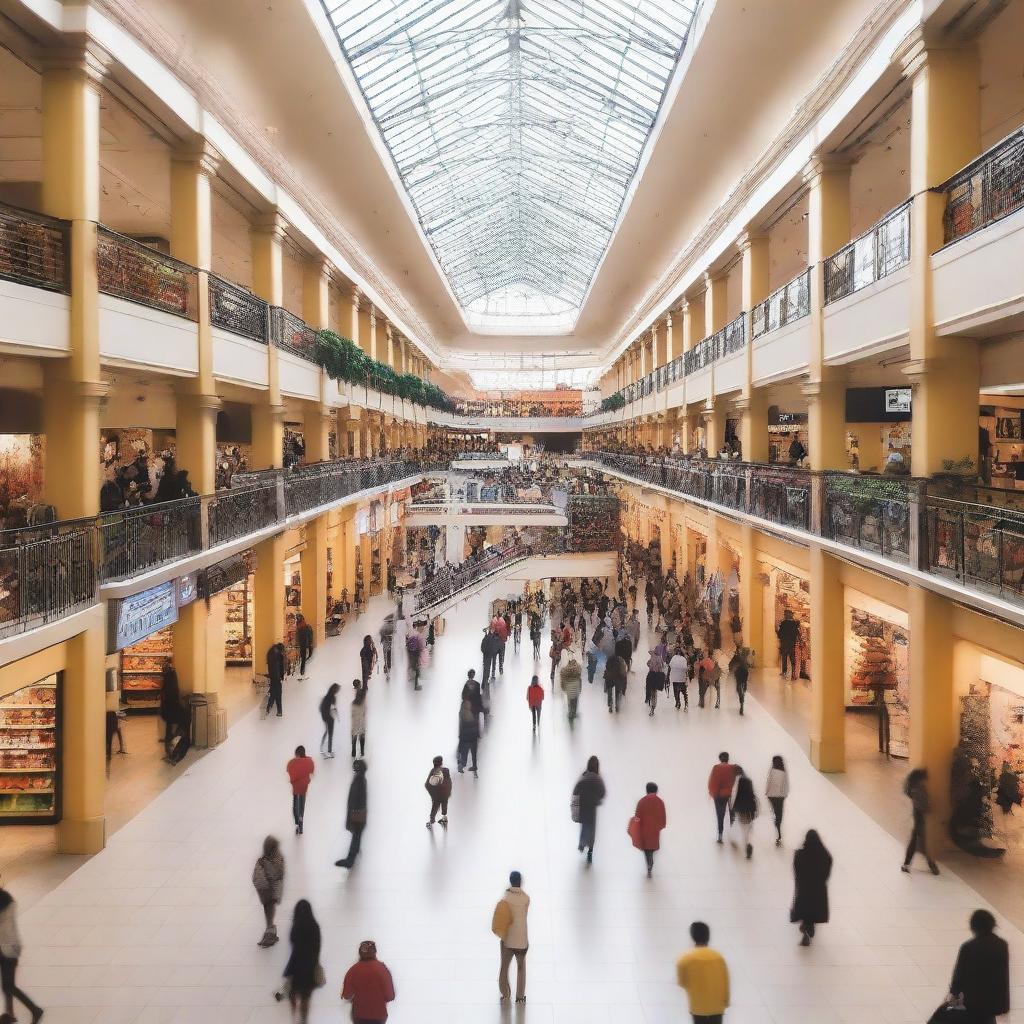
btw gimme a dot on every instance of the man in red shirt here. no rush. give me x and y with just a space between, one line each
300 770
368 986
720 783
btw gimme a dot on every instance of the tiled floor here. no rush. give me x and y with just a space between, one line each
161 927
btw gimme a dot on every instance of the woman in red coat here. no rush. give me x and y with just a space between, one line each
647 824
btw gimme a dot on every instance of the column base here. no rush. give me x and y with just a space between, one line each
828 757
81 836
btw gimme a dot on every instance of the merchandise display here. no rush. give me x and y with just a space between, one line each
879 660
593 522
238 623
142 666
794 594
29 753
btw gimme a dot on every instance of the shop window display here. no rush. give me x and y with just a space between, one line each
879 670
142 667
30 753
239 616
22 473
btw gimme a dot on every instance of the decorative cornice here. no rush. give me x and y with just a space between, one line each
200 152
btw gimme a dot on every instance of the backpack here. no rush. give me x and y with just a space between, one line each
436 778
501 920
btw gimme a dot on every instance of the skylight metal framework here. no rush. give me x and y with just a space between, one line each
516 127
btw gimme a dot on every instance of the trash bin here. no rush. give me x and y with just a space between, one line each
199 708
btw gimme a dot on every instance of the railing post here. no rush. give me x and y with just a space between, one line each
917 505
281 508
818 498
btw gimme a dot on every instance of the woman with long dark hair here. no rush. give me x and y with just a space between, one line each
588 793
776 788
744 808
367 658
10 951
303 969
170 705
916 788
812 865
358 720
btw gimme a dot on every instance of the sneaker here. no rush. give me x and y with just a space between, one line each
750 851
462 770
279 715
905 867
430 824
778 842
443 822
806 940
719 840
590 856
933 867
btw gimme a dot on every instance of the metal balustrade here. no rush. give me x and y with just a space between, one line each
986 190
784 306
237 310
34 249
882 249
136 539
290 333
871 512
136 272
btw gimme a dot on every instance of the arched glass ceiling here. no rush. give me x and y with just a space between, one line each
516 127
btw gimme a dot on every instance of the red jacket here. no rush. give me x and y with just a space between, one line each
721 779
368 984
650 810
499 627
535 695
300 770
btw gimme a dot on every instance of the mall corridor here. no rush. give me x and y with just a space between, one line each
161 927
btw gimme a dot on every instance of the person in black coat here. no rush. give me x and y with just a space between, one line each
304 639
812 865
170 705
301 969
981 977
624 648
589 793
355 814
276 665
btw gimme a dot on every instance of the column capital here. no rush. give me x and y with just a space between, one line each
373 315
201 153
711 277
749 238
742 404
320 264
91 390
817 388
821 164
202 401
356 296
270 222
914 49
389 332
86 59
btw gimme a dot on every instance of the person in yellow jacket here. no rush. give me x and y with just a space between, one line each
705 976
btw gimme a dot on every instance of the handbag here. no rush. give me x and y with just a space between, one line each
633 831
574 807
950 1013
319 977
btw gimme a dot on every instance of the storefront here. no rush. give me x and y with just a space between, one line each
1001 443
30 753
878 429
785 429
877 665
785 591
234 578
139 629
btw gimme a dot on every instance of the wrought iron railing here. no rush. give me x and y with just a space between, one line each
136 539
33 249
240 511
881 250
703 354
734 335
875 513
237 310
289 332
136 272
46 573
986 190
784 306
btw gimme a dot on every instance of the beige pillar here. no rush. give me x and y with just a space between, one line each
390 335
673 338
373 351
693 321
268 598
945 136
828 692
751 604
267 235
313 562
356 332
716 289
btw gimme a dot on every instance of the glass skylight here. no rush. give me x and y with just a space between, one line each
516 127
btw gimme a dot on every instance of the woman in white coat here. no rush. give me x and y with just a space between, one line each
776 789
10 951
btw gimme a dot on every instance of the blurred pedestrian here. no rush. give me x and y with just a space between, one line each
268 881
650 820
812 865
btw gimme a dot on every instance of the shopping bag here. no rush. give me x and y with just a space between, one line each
574 808
950 1013
633 829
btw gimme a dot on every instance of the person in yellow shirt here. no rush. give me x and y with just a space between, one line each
705 976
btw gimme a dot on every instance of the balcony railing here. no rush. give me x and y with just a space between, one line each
734 335
237 310
290 333
875 513
874 255
133 271
986 190
134 540
784 306
33 249
703 354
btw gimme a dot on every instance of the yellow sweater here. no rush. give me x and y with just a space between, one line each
702 972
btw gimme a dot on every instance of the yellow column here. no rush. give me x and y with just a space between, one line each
933 710
268 599
345 569
693 321
653 363
365 558
268 283
751 605
642 367
74 386
673 338
828 696
716 288
944 136
83 828
317 423
356 333
374 353
313 560
390 334
199 645
366 339
713 418
828 230
753 409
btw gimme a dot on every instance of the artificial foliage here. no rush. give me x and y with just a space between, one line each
613 402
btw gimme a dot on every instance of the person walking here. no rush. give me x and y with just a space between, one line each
571 678
720 783
387 642
277 664
170 705
472 691
535 635
624 648
357 718
368 986
788 633
703 975
509 924
649 818
981 976
329 715
490 647
741 673
367 658
614 681
535 698
744 808
469 736
303 970
916 788
812 865
10 953
588 794
304 639
555 652
268 881
355 813
655 682
439 786
705 666
300 770
678 670
776 789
